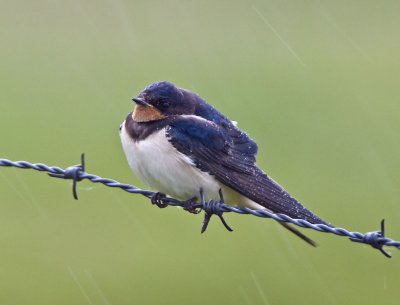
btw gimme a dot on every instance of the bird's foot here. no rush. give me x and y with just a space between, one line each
157 199
191 206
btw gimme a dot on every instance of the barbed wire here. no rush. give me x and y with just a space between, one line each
77 173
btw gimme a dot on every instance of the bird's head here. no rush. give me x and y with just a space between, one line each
160 100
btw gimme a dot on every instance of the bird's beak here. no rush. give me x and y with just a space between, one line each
141 101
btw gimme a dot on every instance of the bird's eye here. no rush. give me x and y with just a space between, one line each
164 104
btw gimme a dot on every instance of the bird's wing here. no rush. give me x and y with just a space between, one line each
231 159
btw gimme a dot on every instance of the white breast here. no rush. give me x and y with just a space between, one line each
158 164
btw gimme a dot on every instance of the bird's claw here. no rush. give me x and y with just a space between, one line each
157 199
191 206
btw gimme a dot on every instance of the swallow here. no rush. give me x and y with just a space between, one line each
177 144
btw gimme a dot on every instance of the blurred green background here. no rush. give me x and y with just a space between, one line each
315 83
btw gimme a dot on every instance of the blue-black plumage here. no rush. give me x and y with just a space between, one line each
178 143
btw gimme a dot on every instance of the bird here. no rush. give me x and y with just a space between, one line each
178 144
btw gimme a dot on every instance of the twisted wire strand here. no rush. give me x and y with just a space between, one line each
376 239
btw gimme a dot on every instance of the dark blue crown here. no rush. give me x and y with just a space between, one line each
162 90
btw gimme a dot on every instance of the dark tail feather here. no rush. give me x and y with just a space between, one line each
299 234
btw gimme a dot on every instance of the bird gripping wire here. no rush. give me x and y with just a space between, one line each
76 173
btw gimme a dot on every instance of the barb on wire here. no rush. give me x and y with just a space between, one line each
77 173
72 172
